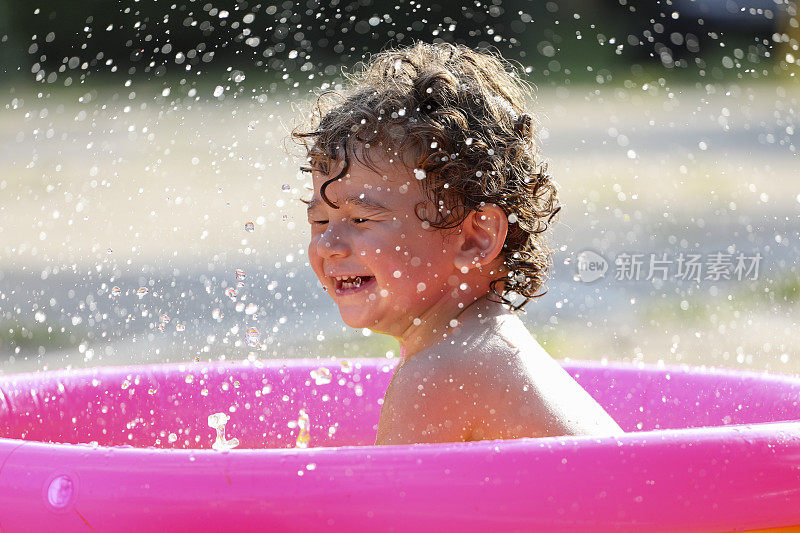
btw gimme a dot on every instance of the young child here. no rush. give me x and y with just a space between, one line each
427 215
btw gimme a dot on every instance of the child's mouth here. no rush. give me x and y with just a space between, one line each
352 284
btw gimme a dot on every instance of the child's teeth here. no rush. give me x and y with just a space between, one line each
350 282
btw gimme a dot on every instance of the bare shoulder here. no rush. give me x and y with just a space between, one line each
489 380
528 393
425 402
442 393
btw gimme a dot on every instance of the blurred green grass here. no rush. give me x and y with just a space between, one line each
352 344
28 337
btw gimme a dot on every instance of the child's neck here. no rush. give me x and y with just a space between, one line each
436 323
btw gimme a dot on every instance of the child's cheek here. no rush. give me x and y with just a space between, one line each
315 260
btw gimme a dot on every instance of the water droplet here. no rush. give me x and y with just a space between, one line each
252 337
286 187
142 292
321 376
218 91
116 291
347 366
125 384
60 491
420 174
180 327
217 421
164 319
231 292
249 227
240 274
304 425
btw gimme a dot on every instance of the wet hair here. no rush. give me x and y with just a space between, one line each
458 118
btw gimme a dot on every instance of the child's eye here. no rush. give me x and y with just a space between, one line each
360 220
313 222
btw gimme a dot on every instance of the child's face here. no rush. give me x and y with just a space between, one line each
379 262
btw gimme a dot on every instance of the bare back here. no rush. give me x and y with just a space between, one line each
489 380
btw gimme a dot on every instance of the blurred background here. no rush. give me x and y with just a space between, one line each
149 198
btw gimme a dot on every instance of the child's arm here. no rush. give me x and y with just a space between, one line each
424 405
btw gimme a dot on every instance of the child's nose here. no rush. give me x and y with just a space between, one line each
331 243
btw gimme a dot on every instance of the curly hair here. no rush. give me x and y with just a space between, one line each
460 115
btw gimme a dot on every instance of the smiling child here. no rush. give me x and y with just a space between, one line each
427 217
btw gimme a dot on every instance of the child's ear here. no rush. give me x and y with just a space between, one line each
481 238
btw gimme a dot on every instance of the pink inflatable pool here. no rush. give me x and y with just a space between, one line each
128 449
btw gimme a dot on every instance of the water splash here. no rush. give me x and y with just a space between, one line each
321 376
304 425
217 421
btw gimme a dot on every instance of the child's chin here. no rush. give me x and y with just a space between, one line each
356 320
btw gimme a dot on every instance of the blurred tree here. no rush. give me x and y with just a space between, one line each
298 41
